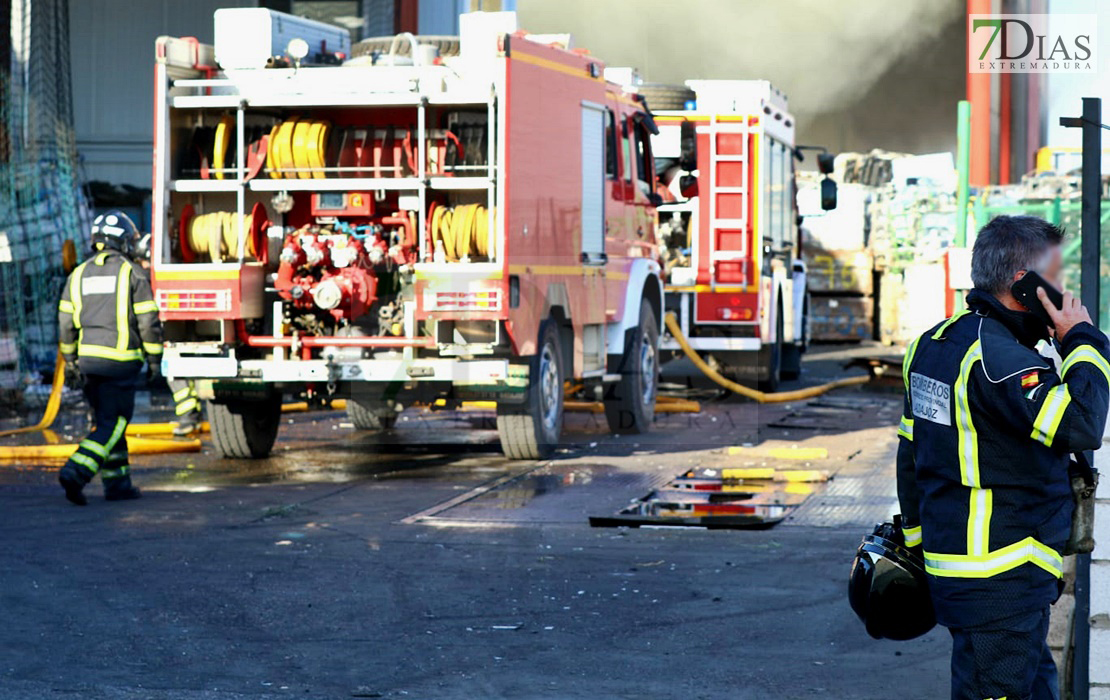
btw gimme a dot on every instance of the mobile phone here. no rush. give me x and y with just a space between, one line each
1025 291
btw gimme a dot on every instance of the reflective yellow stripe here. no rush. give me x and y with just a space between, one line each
979 522
102 352
94 447
967 436
75 294
912 536
121 425
101 258
187 406
1051 413
85 461
907 361
123 301
67 348
1085 353
152 348
1027 551
145 307
905 428
944 326
114 473
182 393
65 306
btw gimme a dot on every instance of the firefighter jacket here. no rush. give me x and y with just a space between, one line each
984 442
107 317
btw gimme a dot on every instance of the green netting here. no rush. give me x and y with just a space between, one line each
41 201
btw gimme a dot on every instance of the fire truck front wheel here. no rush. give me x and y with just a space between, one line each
532 429
630 403
245 429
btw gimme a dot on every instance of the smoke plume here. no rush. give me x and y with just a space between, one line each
825 55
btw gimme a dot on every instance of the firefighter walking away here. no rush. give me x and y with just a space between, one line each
108 331
989 423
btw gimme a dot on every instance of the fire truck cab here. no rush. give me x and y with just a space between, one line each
456 220
728 225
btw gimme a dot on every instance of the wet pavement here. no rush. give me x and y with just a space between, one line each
420 563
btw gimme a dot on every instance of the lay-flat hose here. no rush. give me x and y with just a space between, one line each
755 395
52 403
135 446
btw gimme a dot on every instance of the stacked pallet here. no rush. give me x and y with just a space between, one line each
839 264
841 304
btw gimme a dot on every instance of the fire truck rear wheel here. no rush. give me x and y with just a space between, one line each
245 429
532 429
371 416
630 403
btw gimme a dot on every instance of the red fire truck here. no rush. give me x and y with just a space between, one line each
457 219
725 158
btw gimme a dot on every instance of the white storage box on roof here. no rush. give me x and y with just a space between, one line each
246 37
739 96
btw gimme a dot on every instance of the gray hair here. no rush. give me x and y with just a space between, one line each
1008 244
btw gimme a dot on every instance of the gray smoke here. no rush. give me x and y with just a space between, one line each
824 54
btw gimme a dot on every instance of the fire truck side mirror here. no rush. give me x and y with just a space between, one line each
828 194
826 162
688 138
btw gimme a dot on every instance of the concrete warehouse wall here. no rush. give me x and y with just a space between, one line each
112 54
858 75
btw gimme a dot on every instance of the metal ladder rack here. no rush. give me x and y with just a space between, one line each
716 224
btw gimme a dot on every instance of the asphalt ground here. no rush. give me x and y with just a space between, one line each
419 563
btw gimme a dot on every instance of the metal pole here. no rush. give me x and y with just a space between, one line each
1090 246
963 166
1092 203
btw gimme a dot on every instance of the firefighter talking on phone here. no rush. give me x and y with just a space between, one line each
983 457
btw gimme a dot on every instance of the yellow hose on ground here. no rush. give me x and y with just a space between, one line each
135 446
52 403
155 429
660 406
755 395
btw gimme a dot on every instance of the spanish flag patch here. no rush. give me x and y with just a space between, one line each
1029 380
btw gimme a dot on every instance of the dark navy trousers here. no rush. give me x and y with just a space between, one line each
1007 659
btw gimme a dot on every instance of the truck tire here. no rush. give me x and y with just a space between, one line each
532 429
772 358
245 429
665 97
630 403
447 45
371 416
792 353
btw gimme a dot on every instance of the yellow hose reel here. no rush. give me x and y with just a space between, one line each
298 149
462 231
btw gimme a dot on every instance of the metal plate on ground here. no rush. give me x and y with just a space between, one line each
548 493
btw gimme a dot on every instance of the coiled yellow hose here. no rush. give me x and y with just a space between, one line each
216 235
463 231
755 395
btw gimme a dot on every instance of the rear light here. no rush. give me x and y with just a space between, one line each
727 314
218 300
470 300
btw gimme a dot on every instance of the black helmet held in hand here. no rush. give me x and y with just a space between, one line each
888 587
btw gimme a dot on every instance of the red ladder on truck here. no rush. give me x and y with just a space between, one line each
728 202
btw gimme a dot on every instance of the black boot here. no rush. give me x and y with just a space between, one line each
73 482
119 488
